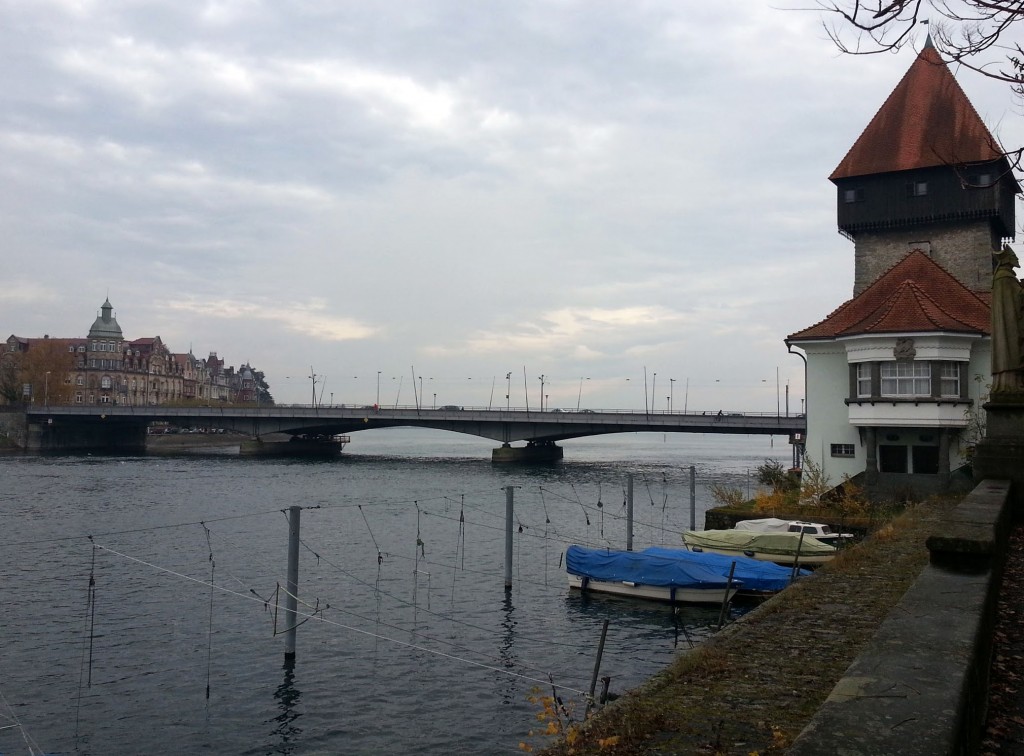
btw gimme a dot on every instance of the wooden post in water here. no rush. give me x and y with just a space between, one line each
728 590
629 512
597 663
508 537
693 497
796 559
291 600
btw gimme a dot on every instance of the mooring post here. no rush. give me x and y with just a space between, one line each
508 537
796 559
291 600
728 590
629 512
693 497
597 663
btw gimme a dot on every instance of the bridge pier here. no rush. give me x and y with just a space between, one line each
107 435
533 453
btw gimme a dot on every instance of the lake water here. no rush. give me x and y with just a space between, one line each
414 645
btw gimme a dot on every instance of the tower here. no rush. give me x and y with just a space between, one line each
926 174
896 374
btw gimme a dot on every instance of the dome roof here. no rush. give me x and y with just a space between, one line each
105 326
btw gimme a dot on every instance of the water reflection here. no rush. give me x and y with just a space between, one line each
286 728
510 691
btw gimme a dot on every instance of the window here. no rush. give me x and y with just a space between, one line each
980 180
949 384
906 378
81 349
78 398
71 348
853 195
842 450
917 189
105 382
863 379
104 399
80 381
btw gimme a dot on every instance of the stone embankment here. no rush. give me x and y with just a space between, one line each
877 652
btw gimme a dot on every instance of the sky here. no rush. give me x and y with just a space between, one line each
418 199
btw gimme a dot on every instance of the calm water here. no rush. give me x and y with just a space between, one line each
417 650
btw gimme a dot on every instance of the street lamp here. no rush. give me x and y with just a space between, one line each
378 388
654 382
46 389
508 391
542 392
671 393
579 395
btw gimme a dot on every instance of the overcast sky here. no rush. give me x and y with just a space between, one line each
453 190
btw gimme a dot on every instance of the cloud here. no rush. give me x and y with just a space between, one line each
310 319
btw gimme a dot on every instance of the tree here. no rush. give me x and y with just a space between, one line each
970 33
46 367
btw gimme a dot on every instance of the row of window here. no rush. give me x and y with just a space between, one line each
101 346
919 188
908 379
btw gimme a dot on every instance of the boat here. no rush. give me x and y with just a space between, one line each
818 530
645 575
319 446
757 578
781 548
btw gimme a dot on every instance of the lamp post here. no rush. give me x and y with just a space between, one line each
46 389
579 394
542 392
508 391
419 401
671 393
378 388
654 382
434 405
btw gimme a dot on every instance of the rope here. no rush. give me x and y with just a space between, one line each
341 625
33 746
209 638
90 611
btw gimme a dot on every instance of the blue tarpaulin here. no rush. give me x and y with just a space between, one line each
643 568
755 575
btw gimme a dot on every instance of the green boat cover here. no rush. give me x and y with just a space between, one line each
784 544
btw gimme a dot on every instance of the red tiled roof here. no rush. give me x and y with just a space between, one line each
927 121
914 296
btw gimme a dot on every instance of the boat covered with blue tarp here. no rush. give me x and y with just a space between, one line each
755 577
656 576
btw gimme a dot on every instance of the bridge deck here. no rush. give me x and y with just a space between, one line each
504 425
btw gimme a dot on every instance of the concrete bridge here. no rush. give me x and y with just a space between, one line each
78 427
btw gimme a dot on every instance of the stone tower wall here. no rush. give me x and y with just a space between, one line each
963 249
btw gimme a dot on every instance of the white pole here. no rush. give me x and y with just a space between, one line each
508 537
291 600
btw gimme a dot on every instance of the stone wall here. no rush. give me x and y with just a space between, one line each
920 686
964 250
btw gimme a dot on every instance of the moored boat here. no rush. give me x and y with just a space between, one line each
646 575
781 548
757 578
818 530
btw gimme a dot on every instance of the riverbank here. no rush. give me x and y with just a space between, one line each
754 686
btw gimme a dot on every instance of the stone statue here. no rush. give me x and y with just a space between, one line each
1007 330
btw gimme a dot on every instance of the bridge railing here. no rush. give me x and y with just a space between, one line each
448 408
